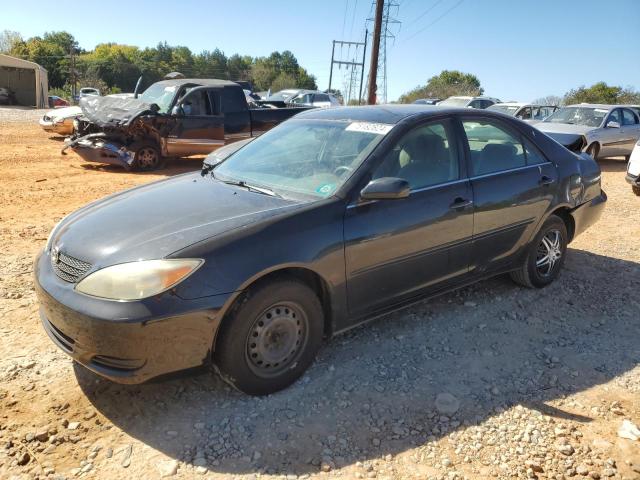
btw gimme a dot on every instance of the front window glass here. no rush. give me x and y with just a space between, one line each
425 156
615 117
587 116
492 148
159 94
304 158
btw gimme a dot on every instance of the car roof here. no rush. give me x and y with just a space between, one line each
205 82
390 114
511 104
594 105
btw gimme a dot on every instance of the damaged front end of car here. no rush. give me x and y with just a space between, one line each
96 147
110 129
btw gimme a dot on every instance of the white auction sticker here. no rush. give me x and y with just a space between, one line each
368 127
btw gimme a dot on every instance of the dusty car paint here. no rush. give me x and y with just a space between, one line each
368 257
60 120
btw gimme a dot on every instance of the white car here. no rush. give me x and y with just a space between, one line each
469 102
633 169
528 112
313 98
60 120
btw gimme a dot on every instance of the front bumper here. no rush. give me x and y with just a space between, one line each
101 150
588 213
632 179
61 128
126 342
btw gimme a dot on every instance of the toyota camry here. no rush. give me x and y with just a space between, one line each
330 219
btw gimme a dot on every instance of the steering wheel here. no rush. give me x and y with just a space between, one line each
341 170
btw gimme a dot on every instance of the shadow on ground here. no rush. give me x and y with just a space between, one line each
380 381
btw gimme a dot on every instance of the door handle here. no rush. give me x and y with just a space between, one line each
545 180
461 203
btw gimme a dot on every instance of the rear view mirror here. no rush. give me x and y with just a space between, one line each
386 188
613 124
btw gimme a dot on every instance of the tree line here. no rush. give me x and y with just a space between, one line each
453 82
113 67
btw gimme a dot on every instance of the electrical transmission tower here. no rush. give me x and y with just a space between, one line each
388 24
353 65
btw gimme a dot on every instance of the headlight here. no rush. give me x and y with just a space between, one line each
137 280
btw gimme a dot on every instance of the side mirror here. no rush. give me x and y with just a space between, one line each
386 188
613 124
177 111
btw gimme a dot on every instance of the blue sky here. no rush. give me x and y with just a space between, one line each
520 49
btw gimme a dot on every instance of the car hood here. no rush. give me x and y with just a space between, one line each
64 112
114 111
157 219
549 127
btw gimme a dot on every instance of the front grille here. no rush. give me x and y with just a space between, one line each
68 268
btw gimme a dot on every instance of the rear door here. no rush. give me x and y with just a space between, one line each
199 125
512 185
398 249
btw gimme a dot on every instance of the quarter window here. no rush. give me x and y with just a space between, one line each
492 148
533 155
425 156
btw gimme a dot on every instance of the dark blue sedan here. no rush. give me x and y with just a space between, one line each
332 218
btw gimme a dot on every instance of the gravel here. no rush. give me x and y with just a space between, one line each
491 381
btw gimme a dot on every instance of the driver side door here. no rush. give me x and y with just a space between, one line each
396 250
199 124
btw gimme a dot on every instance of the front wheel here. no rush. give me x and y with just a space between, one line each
146 157
270 337
545 255
636 189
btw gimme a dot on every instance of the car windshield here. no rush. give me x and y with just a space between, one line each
587 116
455 102
508 109
159 94
282 95
303 158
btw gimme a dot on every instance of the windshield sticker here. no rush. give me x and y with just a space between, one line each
325 189
368 127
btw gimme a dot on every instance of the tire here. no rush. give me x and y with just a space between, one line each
146 157
551 241
636 189
593 150
270 337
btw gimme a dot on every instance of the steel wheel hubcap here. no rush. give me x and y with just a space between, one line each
275 339
549 252
147 157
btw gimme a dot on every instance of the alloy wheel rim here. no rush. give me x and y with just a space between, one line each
549 252
147 157
276 339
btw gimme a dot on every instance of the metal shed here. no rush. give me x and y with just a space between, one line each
27 80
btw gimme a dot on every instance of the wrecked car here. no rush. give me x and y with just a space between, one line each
60 120
172 118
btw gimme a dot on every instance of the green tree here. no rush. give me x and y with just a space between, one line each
602 93
445 84
9 38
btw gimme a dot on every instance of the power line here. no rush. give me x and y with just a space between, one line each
344 17
424 13
435 21
353 17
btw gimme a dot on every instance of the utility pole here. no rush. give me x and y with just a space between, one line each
364 56
375 50
333 50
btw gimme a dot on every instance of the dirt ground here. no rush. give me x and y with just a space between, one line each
493 381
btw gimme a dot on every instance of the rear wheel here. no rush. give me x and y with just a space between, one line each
146 157
594 150
636 189
270 337
545 255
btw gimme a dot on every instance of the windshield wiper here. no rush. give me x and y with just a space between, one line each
251 188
